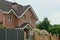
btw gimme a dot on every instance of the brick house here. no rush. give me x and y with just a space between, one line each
13 15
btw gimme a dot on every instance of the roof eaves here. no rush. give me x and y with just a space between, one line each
34 13
3 11
13 12
24 12
9 12
26 26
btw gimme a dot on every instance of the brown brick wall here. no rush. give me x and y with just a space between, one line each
28 15
1 16
14 22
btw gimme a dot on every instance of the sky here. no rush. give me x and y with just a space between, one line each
44 8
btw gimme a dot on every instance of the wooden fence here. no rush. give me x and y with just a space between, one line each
45 37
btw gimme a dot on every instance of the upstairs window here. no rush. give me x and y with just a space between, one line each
24 17
9 18
31 19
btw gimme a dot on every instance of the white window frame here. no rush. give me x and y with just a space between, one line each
31 19
9 18
24 17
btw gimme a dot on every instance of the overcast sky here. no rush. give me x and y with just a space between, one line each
44 8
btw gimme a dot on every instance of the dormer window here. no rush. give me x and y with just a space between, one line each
31 19
9 18
24 17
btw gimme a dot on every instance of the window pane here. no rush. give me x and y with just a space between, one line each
9 18
31 19
24 17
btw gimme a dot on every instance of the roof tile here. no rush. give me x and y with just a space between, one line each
6 6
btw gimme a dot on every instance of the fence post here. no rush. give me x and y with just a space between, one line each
17 34
43 36
50 37
36 36
24 35
57 36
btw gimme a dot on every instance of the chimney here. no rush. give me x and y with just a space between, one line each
14 6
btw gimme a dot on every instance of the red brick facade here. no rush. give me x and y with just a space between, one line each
17 21
1 16
13 23
28 15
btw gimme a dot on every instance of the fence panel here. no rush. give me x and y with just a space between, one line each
20 35
2 34
41 37
46 37
11 34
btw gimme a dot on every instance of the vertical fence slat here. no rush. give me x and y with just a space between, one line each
20 35
11 34
2 34
5 34
24 35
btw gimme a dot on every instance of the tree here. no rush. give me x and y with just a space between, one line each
54 29
44 24
39 25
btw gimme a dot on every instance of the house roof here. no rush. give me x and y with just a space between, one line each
6 6
24 25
